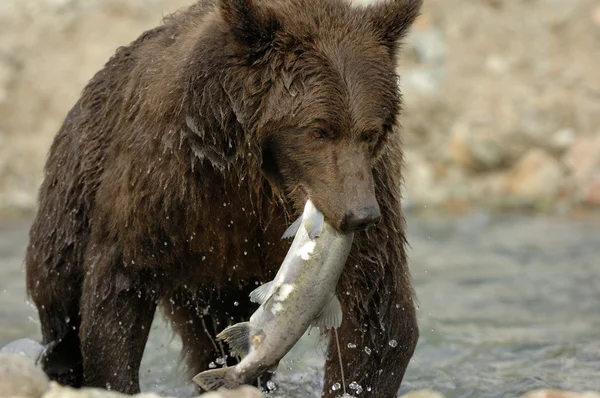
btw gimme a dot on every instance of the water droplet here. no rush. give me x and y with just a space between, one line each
368 388
212 365
271 386
165 243
132 262
235 303
351 345
245 253
336 386
393 343
397 305
355 386
367 350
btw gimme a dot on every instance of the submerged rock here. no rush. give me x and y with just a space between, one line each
423 394
25 347
58 391
19 377
549 393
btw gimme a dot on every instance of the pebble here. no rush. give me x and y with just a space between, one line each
550 393
20 377
536 176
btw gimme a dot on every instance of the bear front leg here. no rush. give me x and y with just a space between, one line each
377 341
116 320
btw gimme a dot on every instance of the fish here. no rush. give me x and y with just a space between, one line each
302 295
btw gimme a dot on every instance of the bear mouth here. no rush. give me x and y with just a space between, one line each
302 194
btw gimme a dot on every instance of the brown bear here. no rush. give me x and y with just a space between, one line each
173 177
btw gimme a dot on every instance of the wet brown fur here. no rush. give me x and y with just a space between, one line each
174 176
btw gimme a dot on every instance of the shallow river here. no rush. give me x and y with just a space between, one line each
506 304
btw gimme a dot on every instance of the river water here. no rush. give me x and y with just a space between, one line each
507 303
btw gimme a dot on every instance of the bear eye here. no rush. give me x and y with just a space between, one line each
318 134
371 137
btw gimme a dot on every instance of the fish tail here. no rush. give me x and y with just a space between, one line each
211 380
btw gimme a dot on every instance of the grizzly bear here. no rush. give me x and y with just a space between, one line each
187 156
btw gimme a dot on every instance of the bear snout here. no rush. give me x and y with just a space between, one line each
361 218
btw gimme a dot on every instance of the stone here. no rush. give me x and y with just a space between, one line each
58 391
583 162
596 16
423 394
242 392
550 393
562 139
25 347
473 151
429 44
20 377
536 176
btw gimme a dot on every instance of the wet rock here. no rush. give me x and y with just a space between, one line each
242 392
548 393
19 377
423 394
58 391
25 347
536 176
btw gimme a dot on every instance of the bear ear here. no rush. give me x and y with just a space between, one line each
392 19
252 26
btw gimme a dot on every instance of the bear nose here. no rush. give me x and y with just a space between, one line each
361 219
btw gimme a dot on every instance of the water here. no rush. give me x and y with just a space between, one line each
506 304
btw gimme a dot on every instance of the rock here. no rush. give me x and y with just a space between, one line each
420 185
423 394
473 151
562 139
596 16
536 176
428 44
559 394
25 347
19 377
58 391
242 392
583 162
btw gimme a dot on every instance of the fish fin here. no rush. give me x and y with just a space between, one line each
331 316
314 224
292 229
213 379
261 293
237 337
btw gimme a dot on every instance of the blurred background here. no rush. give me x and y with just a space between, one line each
502 151
502 97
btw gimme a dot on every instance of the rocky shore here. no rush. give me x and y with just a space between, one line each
21 378
502 99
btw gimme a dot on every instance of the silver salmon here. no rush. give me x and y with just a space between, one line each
301 295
